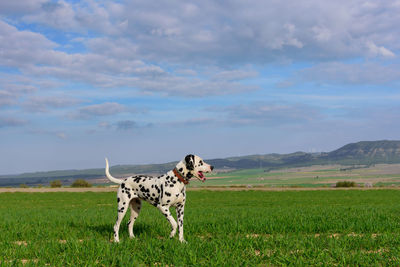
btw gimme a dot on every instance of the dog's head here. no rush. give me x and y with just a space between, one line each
194 166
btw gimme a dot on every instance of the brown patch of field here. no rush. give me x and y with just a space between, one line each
21 243
312 168
364 180
61 189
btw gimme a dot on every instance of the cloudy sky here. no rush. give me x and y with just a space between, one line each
150 81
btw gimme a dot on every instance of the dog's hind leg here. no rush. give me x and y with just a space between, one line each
136 205
122 209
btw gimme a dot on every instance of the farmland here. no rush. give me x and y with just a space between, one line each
222 228
312 176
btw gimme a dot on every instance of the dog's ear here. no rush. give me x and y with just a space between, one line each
189 160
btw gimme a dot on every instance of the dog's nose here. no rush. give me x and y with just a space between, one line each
212 168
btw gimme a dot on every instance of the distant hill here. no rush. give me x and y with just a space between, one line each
366 152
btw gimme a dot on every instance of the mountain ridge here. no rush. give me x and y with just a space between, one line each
363 152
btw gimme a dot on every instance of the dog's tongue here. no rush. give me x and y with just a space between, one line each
202 177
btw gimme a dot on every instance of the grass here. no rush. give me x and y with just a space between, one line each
222 229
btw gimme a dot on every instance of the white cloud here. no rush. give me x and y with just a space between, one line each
98 110
110 64
342 73
379 51
191 36
228 31
20 7
43 104
234 75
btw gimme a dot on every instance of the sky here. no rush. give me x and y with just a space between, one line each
151 81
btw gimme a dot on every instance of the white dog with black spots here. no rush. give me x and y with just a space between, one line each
162 192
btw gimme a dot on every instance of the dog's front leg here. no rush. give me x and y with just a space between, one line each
179 213
165 210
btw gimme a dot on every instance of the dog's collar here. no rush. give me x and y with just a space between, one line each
180 176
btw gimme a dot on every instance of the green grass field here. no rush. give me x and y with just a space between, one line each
243 228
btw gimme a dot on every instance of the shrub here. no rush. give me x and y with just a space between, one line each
346 184
23 186
55 183
81 183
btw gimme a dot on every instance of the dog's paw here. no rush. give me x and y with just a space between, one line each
173 233
183 241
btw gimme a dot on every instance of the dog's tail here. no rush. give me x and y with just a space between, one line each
110 177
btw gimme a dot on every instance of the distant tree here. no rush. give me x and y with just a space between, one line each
55 183
81 183
346 184
23 186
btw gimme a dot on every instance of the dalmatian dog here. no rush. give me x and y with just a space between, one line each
162 192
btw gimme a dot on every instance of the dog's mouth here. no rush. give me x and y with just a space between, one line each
201 176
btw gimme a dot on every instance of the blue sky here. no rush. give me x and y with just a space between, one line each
151 81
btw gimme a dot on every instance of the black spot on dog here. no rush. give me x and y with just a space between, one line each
122 185
161 192
118 200
189 160
167 194
144 190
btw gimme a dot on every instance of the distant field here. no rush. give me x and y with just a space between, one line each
227 228
314 176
